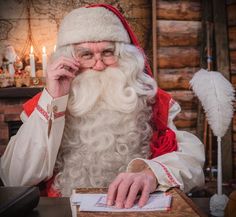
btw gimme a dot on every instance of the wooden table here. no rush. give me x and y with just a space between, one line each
60 207
182 206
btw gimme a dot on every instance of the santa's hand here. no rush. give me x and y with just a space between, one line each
60 75
124 190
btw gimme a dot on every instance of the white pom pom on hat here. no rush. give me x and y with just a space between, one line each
91 24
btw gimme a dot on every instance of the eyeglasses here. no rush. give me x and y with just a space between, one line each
88 59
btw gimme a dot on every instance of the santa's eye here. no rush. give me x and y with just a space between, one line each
107 53
86 56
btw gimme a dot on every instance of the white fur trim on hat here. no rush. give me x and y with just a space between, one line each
91 25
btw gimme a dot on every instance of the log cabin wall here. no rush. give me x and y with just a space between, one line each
178 55
179 34
231 9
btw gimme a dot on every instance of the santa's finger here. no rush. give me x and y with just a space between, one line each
133 193
63 73
144 195
122 192
64 61
112 191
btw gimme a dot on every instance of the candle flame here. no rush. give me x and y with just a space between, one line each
31 49
44 50
55 47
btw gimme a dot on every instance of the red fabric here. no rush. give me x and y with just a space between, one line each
51 192
31 104
163 140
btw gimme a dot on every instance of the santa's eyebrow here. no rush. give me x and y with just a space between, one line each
83 49
109 47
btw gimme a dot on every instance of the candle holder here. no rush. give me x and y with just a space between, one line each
38 81
35 81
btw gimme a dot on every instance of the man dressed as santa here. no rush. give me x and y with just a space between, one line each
101 121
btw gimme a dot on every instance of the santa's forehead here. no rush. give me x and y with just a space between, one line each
95 45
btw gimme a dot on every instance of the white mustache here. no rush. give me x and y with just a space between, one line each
108 86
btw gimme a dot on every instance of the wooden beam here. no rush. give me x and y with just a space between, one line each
178 33
178 57
179 10
232 14
206 17
175 79
223 65
154 38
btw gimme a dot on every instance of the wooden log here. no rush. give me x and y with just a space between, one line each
223 65
179 10
232 37
233 61
173 79
231 14
234 148
12 117
173 82
206 8
233 80
4 134
186 99
177 57
234 136
234 124
154 39
186 119
178 33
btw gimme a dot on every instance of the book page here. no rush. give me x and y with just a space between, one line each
97 203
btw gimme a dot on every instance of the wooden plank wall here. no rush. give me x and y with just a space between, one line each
231 9
178 54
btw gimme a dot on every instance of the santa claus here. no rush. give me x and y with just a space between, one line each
101 121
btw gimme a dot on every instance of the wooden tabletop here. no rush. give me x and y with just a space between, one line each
60 207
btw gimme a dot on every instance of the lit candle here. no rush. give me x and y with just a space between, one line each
11 69
32 62
44 61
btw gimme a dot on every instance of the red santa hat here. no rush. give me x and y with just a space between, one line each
98 22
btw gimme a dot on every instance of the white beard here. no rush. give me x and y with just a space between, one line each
107 125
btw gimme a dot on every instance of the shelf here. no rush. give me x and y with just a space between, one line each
19 92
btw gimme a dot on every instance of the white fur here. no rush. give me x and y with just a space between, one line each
91 24
107 123
216 95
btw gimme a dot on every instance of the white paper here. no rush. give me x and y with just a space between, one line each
97 203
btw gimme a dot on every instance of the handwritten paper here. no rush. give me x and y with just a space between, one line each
97 203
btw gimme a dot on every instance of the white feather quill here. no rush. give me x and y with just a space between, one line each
217 96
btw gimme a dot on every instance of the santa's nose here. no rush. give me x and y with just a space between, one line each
99 65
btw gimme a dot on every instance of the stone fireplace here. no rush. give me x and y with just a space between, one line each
11 100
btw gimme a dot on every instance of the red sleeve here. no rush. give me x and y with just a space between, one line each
164 139
30 105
